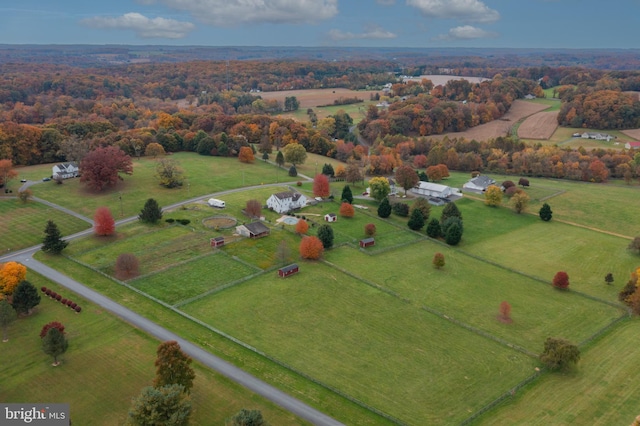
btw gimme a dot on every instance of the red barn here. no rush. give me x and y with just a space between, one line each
367 242
288 270
217 242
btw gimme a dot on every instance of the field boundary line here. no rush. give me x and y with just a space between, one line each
247 346
173 265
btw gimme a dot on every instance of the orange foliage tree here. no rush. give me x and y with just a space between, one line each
6 171
321 186
302 227
11 274
104 225
246 155
311 248
347 210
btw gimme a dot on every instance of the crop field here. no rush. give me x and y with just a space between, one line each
539 126
22 225
111 359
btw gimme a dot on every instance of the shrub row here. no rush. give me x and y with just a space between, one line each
180 221
55 296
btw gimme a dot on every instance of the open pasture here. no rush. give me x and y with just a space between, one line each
22 225
374 347
538 310
602 391
203 175
111 359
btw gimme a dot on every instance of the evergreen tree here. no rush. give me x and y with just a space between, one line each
25 297
53 242
327 169
449 222
167 405
280 159
265 156
7 316
450 210
545 212
453 235
173 366
54 344
293 172
433 228
151 212
416 221
347 195
246 417
423 205
325 234
384 209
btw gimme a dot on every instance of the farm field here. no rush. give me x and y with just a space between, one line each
113 360
540 125
22 224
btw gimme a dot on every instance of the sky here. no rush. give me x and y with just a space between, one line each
574 24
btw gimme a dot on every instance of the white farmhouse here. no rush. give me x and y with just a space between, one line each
284 202
478 184
65 170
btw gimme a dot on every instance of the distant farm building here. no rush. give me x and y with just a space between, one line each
430 189
253 230
367 242
478 184
217 242
288 270
65 170
597 136
630 145
284 202
330 217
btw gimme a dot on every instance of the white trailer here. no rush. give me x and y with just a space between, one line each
214 202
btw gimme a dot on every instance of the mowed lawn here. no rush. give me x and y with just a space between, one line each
107 364
470 290
22 225
203 175
603 390
374 347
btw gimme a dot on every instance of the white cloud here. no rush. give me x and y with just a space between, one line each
464 10
144 27
374 32
233 12
466 32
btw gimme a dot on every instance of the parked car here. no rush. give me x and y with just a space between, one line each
46 179
23 180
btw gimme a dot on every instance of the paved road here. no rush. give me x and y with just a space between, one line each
278 397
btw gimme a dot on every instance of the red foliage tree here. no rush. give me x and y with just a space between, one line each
505 311
561 280
321 186
302 227
104 225
347 210
52 324
311 248
100 168
406 177
246 155
420 161
127 266
370 229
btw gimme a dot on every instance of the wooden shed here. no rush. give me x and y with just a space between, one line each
217 242
330 217
367 242
288 270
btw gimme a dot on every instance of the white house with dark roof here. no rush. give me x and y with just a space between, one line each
283 202
478 184
65 170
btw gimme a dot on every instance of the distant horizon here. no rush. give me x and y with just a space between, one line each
396 24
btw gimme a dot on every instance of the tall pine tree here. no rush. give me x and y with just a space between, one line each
151 212
347 195
53 242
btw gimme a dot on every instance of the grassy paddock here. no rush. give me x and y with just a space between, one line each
538 311
374 347
603 390
257 365
99 345
22 225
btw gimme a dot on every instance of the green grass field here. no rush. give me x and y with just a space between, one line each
22 225
107 363
376 348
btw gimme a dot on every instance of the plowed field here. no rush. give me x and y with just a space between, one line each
539 126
